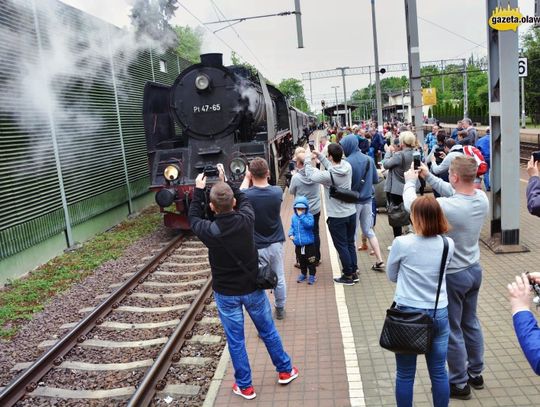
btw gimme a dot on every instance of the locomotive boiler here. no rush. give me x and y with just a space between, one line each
214 114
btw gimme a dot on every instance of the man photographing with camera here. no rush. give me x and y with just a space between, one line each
235 288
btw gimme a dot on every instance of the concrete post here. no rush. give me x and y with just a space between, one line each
380 118
504 123
413 52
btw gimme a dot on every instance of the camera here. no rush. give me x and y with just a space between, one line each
536 156
210 171
416 160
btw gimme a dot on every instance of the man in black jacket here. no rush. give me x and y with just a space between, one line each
233 287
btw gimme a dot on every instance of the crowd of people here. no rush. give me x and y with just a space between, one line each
349 164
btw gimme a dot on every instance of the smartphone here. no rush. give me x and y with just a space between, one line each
416 160
388 141
536 156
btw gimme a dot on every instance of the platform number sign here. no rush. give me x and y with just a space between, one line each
522 67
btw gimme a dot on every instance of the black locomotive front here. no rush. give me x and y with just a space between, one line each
211 114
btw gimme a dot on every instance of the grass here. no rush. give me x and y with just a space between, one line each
26 296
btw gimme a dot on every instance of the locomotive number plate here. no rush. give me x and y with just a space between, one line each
207 108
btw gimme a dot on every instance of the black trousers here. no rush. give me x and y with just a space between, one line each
396 200
317 237
306 259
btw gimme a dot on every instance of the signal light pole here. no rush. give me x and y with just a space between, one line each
377 71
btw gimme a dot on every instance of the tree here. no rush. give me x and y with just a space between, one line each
294 92
151 18
531 47
189 42
235 59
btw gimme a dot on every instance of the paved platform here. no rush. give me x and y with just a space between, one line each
312 334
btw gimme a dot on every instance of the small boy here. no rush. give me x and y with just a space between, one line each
301 233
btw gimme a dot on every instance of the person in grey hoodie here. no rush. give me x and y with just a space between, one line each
341 215
364 175
302 185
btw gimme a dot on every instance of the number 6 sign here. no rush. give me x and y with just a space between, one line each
522 67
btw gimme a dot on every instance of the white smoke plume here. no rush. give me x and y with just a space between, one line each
76 55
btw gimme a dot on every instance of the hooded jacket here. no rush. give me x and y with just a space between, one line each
302 225
302 185
342 174
364 173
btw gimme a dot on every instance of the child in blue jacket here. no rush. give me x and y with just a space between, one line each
301 233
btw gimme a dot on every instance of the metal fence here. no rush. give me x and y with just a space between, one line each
72 140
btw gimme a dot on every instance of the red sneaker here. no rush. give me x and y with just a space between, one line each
248 393
287 377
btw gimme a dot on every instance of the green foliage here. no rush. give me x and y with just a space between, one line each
189 42
294 92
235 59
24 297
388 85
531 48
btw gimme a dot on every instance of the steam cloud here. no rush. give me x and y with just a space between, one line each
76 55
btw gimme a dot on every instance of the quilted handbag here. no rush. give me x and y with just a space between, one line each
397 215
411 332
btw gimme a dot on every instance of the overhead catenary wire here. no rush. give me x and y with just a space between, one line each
451 32
209 30
230 25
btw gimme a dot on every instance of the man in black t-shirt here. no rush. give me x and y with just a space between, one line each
269 235
233 287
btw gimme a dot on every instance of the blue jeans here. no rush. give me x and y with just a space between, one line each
273 255
232 317
487 184
343 231
466 343
436 363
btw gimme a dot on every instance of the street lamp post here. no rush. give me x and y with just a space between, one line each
342 69
377 72
337 106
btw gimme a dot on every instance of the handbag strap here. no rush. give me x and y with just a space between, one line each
331 177
214 228
441 273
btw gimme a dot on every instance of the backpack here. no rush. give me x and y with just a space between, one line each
471 151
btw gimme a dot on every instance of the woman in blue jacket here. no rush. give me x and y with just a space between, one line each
301 233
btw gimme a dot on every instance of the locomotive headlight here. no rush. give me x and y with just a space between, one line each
237 166
171 172
202 82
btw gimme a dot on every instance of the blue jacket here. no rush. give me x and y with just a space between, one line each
455 132
430 140
483 144
363 169
302 225
378 142
528 335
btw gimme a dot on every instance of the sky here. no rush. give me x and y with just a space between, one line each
336 33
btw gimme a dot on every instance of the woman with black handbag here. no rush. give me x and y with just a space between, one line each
397 160
417 263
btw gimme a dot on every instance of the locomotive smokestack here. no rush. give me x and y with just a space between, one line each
215 59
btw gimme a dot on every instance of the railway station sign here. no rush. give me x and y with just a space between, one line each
429 96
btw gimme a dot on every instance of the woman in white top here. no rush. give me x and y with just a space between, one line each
414 263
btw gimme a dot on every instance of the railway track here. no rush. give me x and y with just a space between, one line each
526 149
153 340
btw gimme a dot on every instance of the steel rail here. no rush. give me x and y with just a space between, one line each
153 380
27 381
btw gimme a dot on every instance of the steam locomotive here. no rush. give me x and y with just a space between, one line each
215 114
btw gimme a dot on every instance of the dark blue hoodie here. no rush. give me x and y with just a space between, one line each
364 173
